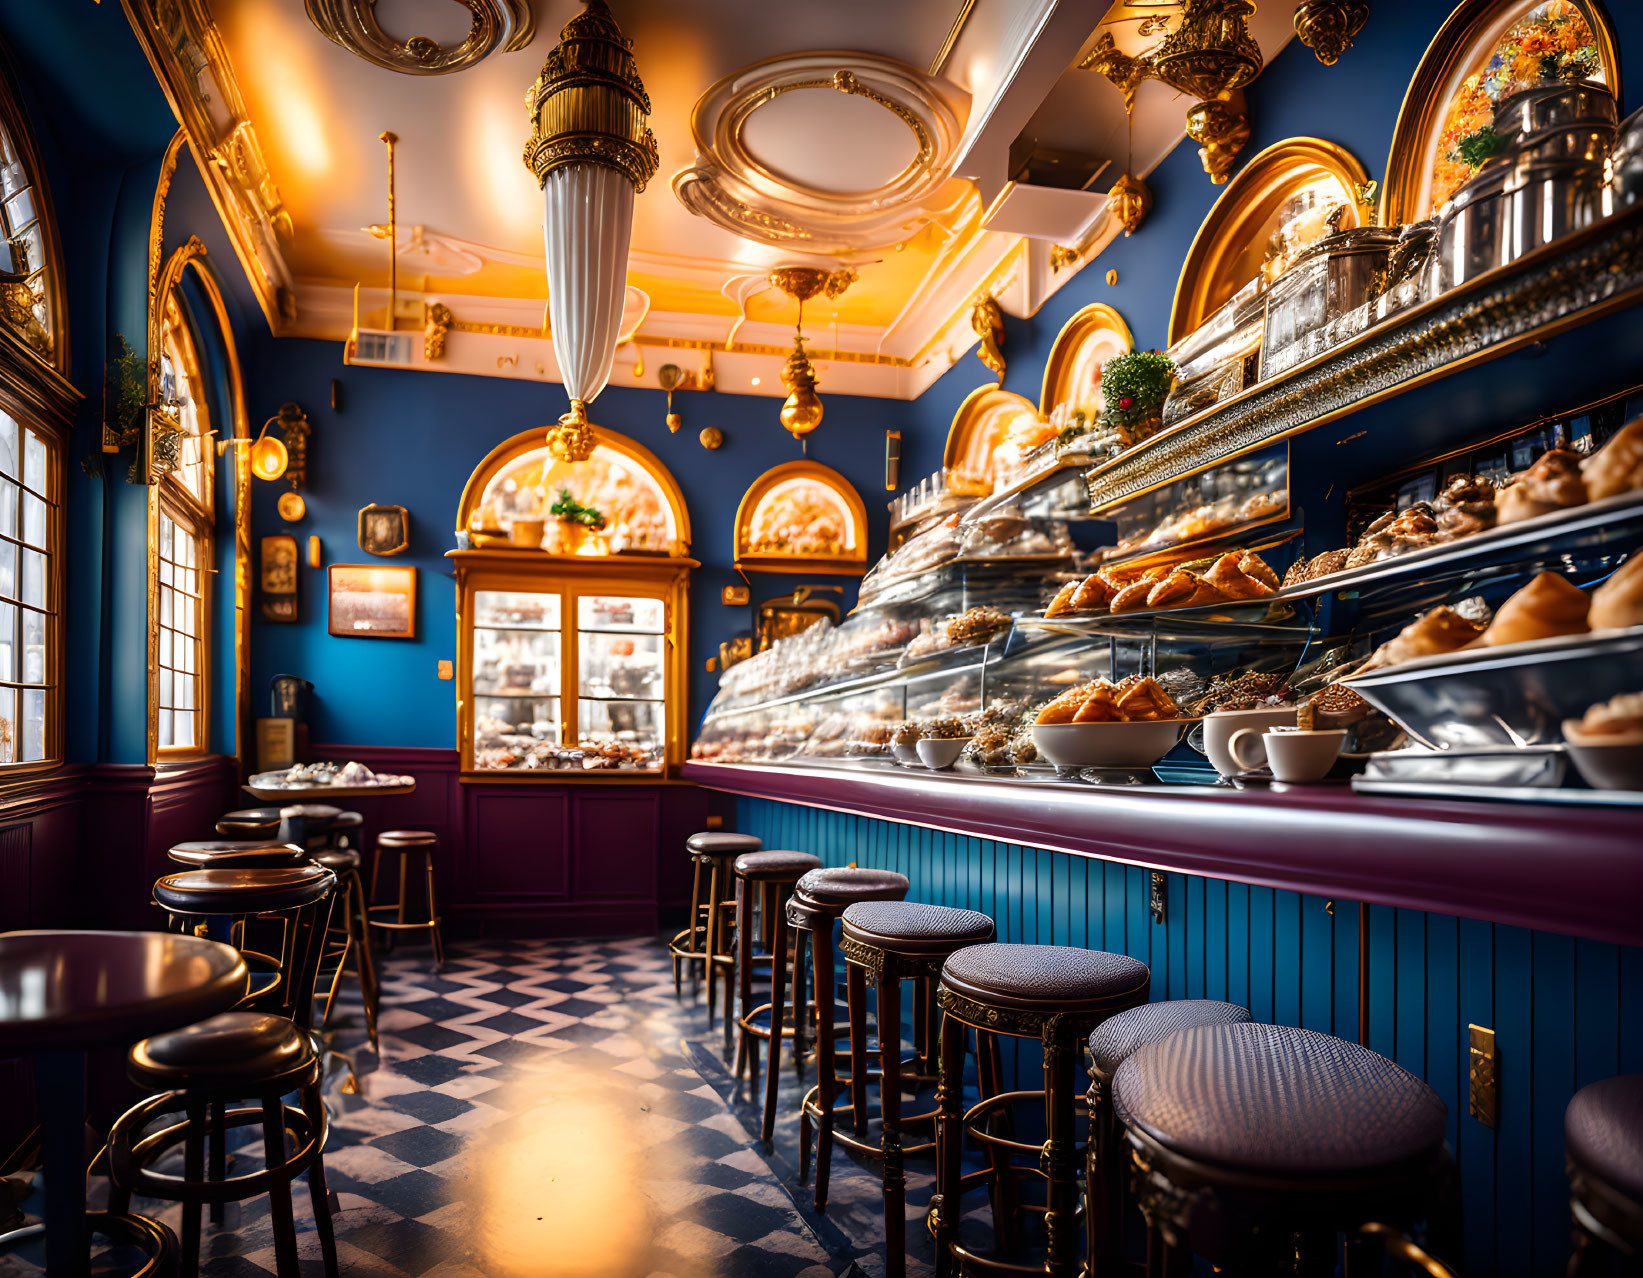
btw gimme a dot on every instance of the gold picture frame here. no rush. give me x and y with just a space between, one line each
384 530
277 577
372 601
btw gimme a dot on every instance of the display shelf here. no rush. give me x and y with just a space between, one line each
521 630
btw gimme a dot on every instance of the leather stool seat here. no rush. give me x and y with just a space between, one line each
1119 1037
1043 977
337 860
776 867
399 839
249 823
236 1047
243 891
1603 1132
222 853
262 815
317 815
911 927
1279 1101
347 821
720 843
844 886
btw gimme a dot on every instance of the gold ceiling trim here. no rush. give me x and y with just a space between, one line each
186 51
506 25
694 344
939 63
846 82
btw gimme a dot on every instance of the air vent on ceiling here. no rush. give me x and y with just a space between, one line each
382 349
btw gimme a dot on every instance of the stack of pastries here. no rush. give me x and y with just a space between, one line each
1138 699
1236 575
1558 480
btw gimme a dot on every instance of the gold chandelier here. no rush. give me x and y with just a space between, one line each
802 409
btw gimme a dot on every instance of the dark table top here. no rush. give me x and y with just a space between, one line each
70 991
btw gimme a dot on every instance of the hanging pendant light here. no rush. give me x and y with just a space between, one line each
802 410
593 151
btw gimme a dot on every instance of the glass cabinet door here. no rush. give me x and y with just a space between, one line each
516 677
621 651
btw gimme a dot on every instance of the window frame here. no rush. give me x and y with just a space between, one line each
52 745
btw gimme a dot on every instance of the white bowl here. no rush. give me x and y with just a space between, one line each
1613 762
907 754
941 752
1108 745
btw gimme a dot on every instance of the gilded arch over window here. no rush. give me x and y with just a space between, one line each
1454 88
1230 246
32 304
802 516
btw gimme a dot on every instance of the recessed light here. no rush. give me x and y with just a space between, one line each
755 381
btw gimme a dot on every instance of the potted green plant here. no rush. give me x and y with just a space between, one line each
1134 386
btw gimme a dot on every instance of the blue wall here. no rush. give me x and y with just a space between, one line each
1557 1005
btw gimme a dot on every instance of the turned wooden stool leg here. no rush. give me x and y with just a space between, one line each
945 1205
895 1177
712 937
855 986
1001 1186
801 1003
193 1170
433 913
827 1077
745 1049
778 981
690 942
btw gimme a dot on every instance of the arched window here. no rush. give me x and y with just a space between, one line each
185 549
29 302
1485 51
802 516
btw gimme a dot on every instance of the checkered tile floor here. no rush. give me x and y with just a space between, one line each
551 1108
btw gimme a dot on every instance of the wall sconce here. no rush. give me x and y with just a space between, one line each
271 457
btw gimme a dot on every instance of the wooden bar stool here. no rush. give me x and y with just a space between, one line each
1117 1039
406 842
260 1055
1603 1142
1248 1137
892 942
1055 994
703 939
769 877
818 899
352 939
220 853
250 823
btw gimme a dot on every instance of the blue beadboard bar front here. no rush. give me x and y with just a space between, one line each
1565 1011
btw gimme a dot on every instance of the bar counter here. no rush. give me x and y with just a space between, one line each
1569 869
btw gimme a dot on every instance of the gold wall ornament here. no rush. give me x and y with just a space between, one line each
588 105
1130 201
1221 129
711 438
506 25
1211 51
670 377
291 506
1124 70
572 440
987 319
802 409
1328 27
436 322
1061 257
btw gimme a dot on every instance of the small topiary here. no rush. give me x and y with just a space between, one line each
1134 386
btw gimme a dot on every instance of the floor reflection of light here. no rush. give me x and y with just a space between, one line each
559 1186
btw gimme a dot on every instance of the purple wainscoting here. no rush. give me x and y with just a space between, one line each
575 857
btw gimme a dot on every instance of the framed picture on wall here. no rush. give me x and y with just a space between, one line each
370 602
384 530
277 578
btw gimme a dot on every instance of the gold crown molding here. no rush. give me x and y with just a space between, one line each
696 344
188 57
1405 192
506 25
734 189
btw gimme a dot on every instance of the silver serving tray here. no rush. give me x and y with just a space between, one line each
1512 695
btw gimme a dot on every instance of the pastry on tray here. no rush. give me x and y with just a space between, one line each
1143 700
1617 467
1337 706
1618 602
1554 482
1622 715
1182 588
1101 706
1061 709
1465 506
1438 631
1133 597
1241 575
1548 606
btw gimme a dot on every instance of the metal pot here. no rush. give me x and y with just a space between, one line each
1545 199
1469 230
1525 117
1334 277
1624 172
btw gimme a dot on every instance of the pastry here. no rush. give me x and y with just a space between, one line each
977 625
1132 596
1337 706
1617 467
1552 483
1326 563
1101 706
1142 700
947 729
1062 603
1095 591
1062 708
1546 607
1252 565
1249 691
1618 602
1411 529
1182 589
1296 574
1622 714
1229 576
1439 631
1465 506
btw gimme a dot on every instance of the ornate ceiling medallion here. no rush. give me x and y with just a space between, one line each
1328 27
830 153
497 24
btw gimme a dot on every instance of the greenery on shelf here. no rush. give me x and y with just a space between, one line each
1134 386
572 511
1481 146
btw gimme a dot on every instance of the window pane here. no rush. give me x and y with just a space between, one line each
34 647
165 607
8 570
34 725
8 508
9 667
167 731
34 463
12 177
34 519
34 254
34 578
185 731
20 208
8 725
8 446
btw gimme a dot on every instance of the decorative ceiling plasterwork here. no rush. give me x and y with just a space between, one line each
766 191
187 54
507 25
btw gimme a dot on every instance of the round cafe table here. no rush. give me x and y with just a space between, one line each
63 994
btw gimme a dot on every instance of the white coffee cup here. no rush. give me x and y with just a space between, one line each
1293 754
1220 725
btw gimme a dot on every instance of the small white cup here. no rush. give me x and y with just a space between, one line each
1294 755
1220 725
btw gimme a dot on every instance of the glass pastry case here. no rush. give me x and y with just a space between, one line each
572 586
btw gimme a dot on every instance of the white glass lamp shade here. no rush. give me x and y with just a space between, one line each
587 222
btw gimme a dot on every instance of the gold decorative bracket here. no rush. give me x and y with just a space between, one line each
506 25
